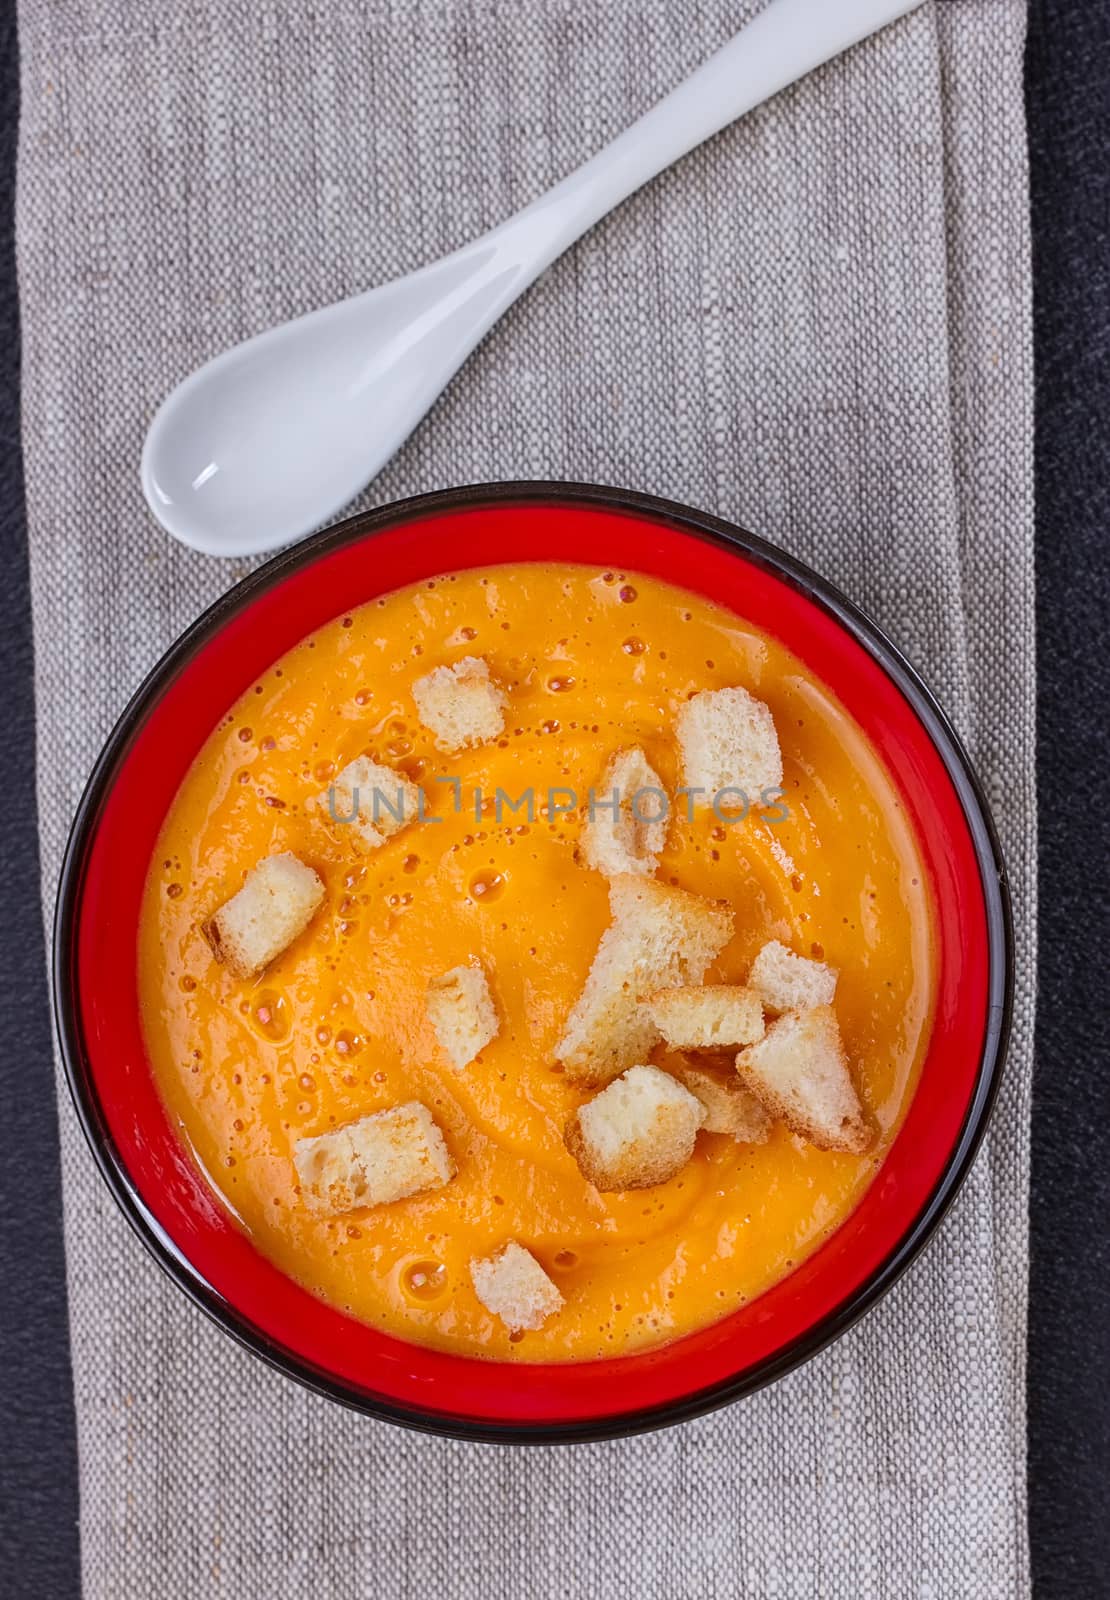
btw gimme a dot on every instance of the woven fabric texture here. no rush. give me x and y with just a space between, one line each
818 325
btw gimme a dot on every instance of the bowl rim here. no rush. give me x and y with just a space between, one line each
923 705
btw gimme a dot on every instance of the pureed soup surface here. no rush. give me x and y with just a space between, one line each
336 1027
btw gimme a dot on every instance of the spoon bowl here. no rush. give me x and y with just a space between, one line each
278 434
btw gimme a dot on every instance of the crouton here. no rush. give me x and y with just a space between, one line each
728 742
385 1156
460 1009
637 1132
627 825
711 1078
800 1073
704 1016
514 1286
786 982
460 705
370 801
275 904
658 937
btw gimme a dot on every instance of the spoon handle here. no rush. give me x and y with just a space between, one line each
782 44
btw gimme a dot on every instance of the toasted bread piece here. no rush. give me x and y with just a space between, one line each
786 982
627 825
460 705
800 1072
637 1132
658 937
711 1078
275 904
513 1285
705 1016
370 802
460 1009
728 742
386 1156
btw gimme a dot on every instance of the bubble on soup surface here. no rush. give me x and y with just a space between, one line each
270 1015
424 1280
486 886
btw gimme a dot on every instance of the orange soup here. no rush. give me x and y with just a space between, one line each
336 1027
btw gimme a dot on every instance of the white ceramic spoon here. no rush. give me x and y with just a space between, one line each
272 438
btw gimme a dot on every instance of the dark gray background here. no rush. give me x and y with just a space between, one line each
1068 89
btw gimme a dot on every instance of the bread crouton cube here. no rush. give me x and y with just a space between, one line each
275 904
626 828
730 749
658 937
639 1131
460 1009
513 1285
460 705
711 1078
787 982
706 1016
386 1156
800 1073
371 801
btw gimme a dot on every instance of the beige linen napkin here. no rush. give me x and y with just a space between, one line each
819 325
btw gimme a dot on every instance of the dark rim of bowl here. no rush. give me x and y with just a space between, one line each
996 897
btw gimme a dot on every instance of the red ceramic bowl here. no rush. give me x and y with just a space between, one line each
168 1202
